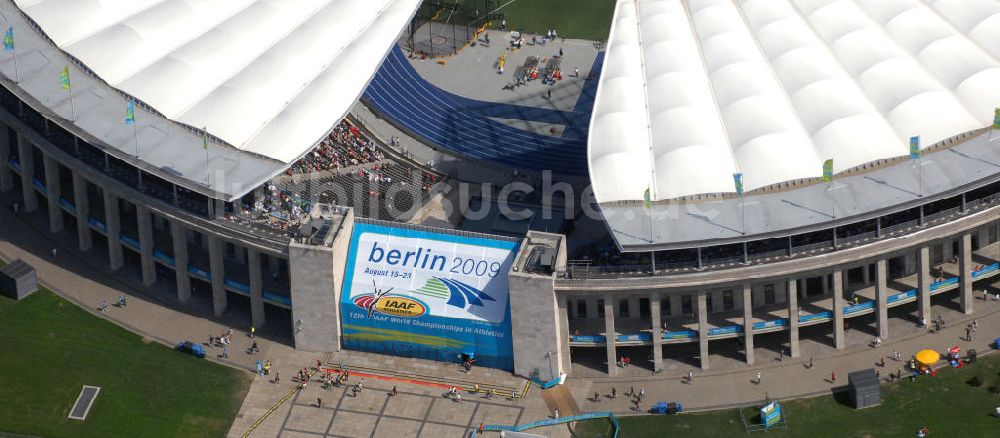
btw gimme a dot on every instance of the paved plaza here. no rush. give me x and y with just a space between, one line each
422 410
414 412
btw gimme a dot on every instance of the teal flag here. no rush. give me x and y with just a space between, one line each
828 170
646 201
738 182
130 112
8 39
914 147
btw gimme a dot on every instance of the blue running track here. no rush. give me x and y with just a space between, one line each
462 125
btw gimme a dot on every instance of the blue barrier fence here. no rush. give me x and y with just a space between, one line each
275 298
683 334
237 286
770 324
815 316
14 165
553 422
200 273
986 270
68 205
937 285
635 337
859 307
901 296
129 242
98 224
590 339
161 256
38 184
725 330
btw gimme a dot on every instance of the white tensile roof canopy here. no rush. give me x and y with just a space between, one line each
694 91
268 77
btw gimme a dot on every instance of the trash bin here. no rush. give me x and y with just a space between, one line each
970 356
660 407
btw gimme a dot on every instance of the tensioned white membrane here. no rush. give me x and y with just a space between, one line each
694 91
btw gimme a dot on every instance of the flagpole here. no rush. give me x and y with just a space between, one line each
743 213
17 74
72 107
920 174
135 131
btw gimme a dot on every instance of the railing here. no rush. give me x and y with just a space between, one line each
892 229
812 247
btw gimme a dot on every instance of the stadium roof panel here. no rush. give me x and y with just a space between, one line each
694 91
267 77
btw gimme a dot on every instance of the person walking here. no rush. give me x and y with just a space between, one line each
576 72
394 391
225 352
277 377
597 397
556 413
642 393
975 324
690 376
810 363
104 306
833 377
614 392
758 378
319 402
121 301
253 332
968 333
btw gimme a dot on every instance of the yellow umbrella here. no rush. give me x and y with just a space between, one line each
927 357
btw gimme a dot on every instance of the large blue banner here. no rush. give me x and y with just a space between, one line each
429 295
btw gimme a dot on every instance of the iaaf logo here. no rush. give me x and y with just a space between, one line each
394 305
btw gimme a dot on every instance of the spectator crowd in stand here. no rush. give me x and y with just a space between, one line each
345 146
279 205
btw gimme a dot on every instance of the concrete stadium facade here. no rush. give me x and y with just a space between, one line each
557 311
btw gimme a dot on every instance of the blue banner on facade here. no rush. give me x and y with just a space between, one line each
429 295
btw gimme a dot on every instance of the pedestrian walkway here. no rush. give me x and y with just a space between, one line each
155 314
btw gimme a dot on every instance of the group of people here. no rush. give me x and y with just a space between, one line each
345 146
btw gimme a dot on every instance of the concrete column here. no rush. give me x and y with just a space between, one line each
702 311
676 309
256 288
924 283
27 161
6 175
218 269
838 309
113 222
592 304
946 251
53 193
882 297
965 272
984 235
866 276
825 282
654 317
82 201
793 319
748 322
609 334
633 307
179 236
564 348
146 244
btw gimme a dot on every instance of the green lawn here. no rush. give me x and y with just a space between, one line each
49 348
581 19
947 405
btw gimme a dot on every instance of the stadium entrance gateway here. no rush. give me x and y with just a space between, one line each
428 294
